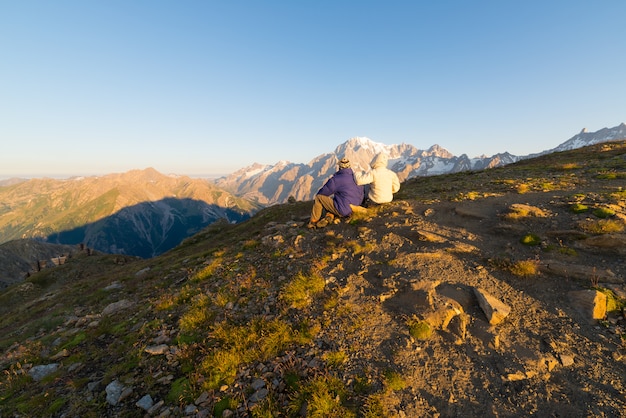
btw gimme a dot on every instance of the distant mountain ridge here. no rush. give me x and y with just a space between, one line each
141 212
585 138
272 184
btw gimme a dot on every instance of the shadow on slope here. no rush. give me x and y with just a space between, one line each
150 228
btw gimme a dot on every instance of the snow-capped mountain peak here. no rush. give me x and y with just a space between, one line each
276 183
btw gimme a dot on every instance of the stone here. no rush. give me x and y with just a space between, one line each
156 350
495 310
204 396
258 384
259 395
114 392
40 372
116 307
566 360
145 402
590 303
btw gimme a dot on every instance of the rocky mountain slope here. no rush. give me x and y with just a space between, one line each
496 293
276 183
20 258
141 212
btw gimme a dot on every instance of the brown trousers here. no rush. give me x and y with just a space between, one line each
320 204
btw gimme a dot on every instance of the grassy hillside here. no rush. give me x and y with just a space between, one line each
377 316
141 212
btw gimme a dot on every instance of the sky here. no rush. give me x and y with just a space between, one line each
203 87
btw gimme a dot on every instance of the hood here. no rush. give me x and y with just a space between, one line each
380 160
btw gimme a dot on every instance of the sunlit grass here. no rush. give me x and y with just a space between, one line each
602 226
198 316
260 340
335 358
394 381
299 292
324 396
525 268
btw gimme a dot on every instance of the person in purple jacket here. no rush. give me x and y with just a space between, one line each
336 196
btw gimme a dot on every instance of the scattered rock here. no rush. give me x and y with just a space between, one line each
591 303
114 286
156 350
116 307
38 373
495 310
114 392
613 242
566 360
580 272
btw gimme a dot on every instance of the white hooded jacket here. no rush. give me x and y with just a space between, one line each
383 182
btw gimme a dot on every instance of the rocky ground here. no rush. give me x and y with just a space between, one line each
547 357
489 304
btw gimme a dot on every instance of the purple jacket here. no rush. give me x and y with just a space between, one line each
345 191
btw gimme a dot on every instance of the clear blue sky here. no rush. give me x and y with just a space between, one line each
202 87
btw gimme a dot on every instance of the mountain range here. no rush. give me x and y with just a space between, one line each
271 184
141 212
145 213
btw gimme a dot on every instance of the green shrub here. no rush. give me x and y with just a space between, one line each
579 208
530 239
420 330
603 213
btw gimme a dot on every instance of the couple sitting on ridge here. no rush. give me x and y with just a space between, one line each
346 189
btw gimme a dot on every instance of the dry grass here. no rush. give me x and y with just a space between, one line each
602 226
525 268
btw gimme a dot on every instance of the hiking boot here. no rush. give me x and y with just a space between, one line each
322 223
312 224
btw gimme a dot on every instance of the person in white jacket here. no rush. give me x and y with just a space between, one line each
383 182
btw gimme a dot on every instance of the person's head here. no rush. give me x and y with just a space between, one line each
380 160
344 163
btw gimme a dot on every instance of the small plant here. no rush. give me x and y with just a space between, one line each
78 338
394 381
525 268
523 188
224 404
373 407
607 176
300 291
603 213
180 391
579 208
420 330
602 226
530 240
198 316
324 396
207 271
569 166
335 358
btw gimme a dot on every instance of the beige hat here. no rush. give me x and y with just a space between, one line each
344 163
